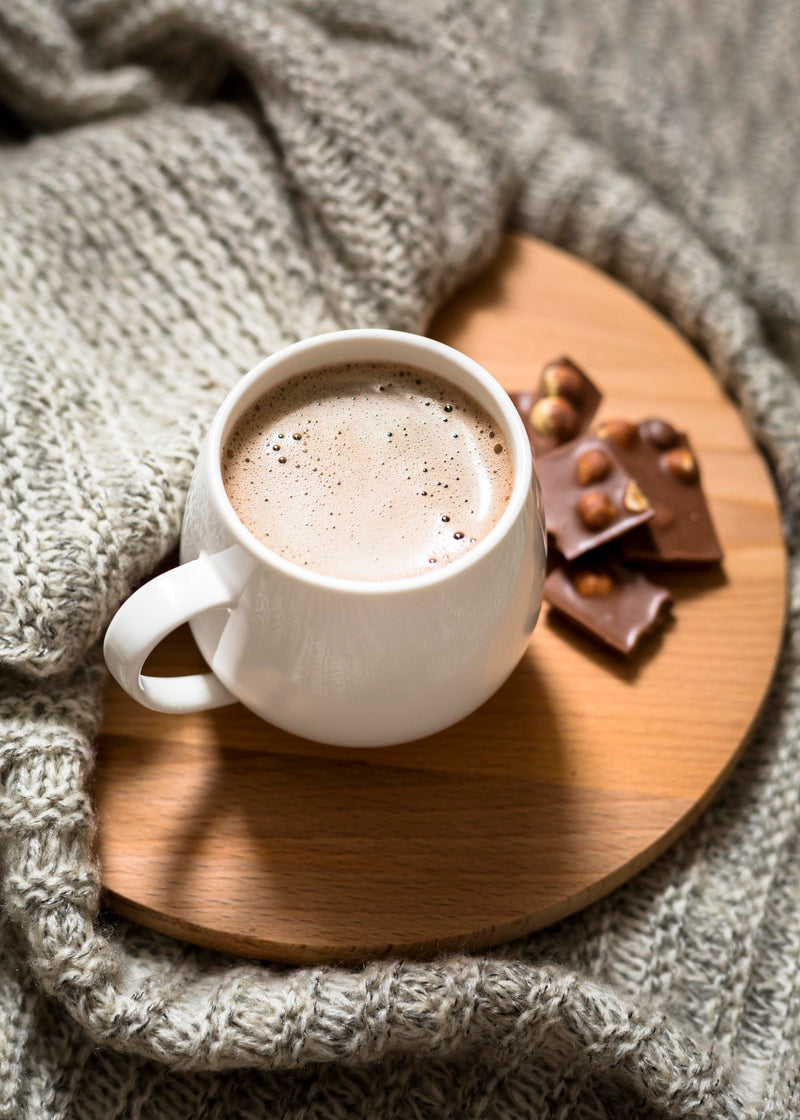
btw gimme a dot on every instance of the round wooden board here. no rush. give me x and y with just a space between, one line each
221 830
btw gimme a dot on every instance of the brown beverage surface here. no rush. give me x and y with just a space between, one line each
368 471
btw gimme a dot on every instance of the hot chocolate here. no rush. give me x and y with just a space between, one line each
368 471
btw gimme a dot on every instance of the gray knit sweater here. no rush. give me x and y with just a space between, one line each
185 185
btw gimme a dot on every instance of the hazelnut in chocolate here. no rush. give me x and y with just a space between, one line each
562 407
612 603
663 462
589 499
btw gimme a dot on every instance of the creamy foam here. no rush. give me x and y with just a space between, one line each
368 471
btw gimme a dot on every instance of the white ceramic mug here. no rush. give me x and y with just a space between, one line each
347 662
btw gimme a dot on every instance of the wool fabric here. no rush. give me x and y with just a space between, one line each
186 185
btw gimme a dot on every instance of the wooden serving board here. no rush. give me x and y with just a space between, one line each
220 829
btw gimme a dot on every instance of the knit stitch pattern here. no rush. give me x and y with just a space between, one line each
186 185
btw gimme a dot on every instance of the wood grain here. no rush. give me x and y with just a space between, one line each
219 829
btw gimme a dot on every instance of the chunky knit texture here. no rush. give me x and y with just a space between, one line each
186 185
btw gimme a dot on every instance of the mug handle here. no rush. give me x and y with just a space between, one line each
148 616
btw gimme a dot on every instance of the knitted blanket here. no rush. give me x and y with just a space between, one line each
186 185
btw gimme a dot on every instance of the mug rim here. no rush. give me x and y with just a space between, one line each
520 446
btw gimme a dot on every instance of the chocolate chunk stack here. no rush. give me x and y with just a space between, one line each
615 497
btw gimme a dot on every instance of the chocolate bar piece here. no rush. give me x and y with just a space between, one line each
664 464
611 602
589 499
562 407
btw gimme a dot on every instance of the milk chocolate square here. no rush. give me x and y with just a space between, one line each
612 603
589 499
664 464
561 408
